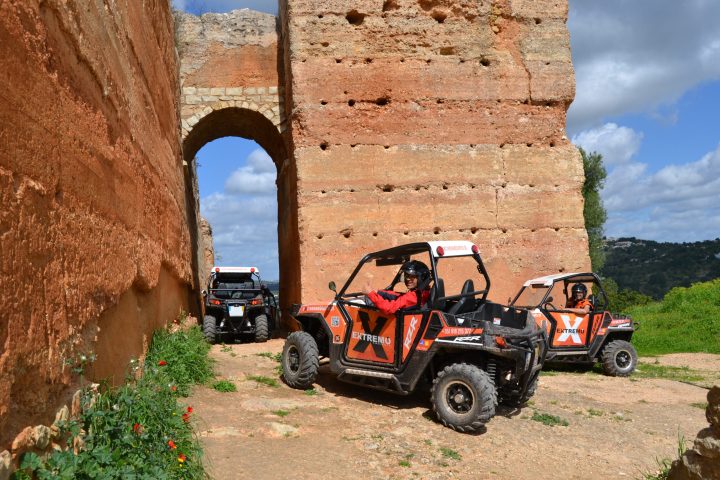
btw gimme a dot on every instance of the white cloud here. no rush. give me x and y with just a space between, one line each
257 177
616 144
641 55
677 203
244 216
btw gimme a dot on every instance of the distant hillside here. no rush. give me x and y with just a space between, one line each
653 268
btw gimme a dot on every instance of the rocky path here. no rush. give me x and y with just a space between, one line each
617 428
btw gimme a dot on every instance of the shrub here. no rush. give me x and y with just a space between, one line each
137 430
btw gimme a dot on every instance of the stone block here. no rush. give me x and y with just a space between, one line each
5 465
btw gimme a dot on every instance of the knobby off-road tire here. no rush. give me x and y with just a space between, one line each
262 330
300 360
210 329
619 358
463 397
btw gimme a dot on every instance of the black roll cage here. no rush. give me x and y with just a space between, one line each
587 277
400 254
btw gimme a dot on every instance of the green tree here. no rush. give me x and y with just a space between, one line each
594 211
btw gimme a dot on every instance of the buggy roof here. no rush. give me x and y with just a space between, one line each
450 248
548 280
217 269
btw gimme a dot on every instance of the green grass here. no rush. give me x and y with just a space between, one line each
281 413
686 320
270 382
663 471
652 370
311 392
450 453
701 405
224 386
139 429
549 420
272 356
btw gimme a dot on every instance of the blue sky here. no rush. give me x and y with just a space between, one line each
647 98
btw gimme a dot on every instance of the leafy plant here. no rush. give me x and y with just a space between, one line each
224 386
594 212
281 413
270 382
138 430
450 453
311 392
549 420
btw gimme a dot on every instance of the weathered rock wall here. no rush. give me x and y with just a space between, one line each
433 119
702 461
94 245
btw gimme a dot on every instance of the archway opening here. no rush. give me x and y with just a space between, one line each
262 164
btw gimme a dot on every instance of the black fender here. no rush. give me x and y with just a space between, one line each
315 325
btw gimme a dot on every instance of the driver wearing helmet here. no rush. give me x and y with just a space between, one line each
416 276
577 303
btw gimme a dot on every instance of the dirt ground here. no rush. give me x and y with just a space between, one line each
617 427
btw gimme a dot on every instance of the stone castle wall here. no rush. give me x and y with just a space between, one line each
418 120
94 243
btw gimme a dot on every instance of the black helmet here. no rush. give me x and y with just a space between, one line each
579 287
418 269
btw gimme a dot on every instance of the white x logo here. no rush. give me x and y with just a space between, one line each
571 330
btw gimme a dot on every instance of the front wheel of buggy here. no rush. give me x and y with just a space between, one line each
619 358
300 360
262 332
210 329
463 397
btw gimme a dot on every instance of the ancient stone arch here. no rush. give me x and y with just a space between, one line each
237 91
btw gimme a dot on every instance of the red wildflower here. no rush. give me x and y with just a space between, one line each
189 409
186 417
172 445
182 458
162 363
137 428
173 388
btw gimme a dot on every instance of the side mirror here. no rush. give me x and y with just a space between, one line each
204 293
332 287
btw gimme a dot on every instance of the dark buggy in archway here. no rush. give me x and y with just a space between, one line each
238 306
475 353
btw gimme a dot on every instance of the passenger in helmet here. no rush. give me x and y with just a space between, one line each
577 303
416 276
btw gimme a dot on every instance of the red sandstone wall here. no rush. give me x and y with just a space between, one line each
433 119
94 247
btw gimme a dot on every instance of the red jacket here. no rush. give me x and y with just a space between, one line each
402 300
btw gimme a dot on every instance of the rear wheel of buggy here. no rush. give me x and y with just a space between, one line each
619 358
210 329
463 397
262 331
300 360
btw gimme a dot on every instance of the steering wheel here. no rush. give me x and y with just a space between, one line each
548 304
